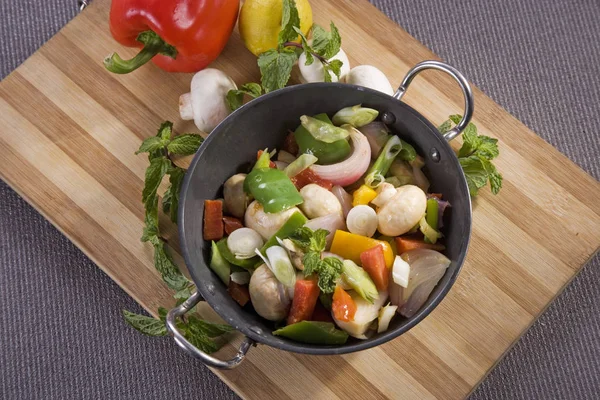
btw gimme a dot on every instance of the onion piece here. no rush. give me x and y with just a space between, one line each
362 220
351 169
241 277
330 222
377 134
365 314
281 265
300 164
285 157
281 165
420 179
400 272
344 198
386 314
427 267
243 242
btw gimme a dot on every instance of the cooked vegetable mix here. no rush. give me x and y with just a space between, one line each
330 247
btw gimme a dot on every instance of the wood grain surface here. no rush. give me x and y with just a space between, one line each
70 129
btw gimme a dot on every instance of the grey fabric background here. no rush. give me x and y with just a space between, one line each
61 333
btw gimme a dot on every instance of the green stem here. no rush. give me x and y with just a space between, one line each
376 174
153 45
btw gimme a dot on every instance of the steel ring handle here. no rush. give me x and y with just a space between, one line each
189 348
458 77
82 4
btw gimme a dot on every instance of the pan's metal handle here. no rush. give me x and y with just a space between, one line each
83 4
180 310
462 81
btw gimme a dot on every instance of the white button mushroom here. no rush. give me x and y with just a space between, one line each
235 199
314 72
365 314
368 76
267 224
205 103
269 297
402 212
319 201
243 242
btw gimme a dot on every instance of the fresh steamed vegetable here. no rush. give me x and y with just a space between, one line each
365 314
300 164
323 131
431 217
295 221
240 277
242 243
373 261
267 224
357 116
343 306
178 36
281 265
352 168
213 219
400 272
369 76
343 197
247 264
330 223
326 153
404 244
206 102
269 297
307 177
236 200
306 294
359 280
379 169
231 224
219 264
318 202
385 317
426 269
377 135
313 332
349 246
363 195
385 192
402 171
362 220
403 211
239 293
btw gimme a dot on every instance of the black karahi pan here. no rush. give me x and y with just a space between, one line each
263 123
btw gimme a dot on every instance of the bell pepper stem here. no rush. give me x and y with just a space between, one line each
153 45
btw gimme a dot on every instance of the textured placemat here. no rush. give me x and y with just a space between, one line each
62 336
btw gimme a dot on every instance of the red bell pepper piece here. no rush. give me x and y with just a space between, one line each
290 145
231 224
308 176
213 220
343 306
306 294
373 261
321 314
177 35
404 244
239 293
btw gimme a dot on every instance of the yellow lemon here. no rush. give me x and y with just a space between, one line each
260 23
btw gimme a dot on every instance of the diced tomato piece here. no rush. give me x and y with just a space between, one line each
321 314
343 306
239 293
230 224
306 294
373 261
290 144
404 244
271 163
308 176
213 220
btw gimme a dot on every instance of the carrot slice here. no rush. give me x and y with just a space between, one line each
308 176
213 219
373 261
404 244
230 224
239 293
343 306
306 294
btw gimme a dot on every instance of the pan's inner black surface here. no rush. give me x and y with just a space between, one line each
264 123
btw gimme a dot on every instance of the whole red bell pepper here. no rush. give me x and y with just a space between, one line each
177 35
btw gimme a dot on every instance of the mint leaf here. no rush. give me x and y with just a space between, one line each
330 269
154 174
445 126
146 325
475 173
209 329
318 240
455 118
305 47
301 237
311 262
164 264
235 97
275 68
335 66
201 341
184 293
185 144
152 144
166 200
150 233
488 147
326 44
162 314
176 176
289 20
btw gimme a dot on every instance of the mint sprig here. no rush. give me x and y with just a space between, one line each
235 97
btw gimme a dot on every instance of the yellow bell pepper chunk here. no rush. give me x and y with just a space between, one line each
349 246
363 196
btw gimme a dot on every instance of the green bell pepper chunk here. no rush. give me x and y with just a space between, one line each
313 332
271 187
327 153
247 264
219 264
295 221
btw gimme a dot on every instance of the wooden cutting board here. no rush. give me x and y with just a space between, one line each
69 131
